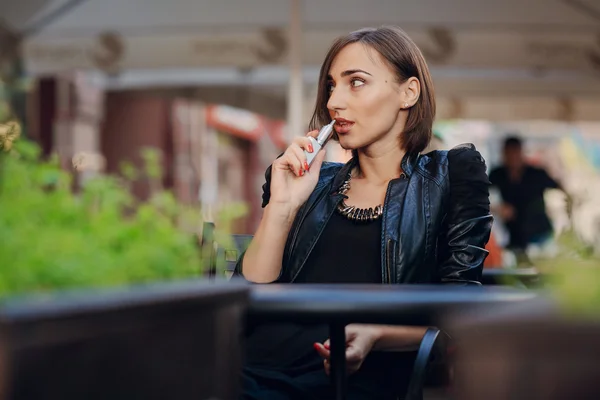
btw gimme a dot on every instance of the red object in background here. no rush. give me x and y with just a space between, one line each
241 123
245 124
494 258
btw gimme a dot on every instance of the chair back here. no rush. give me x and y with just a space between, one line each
221 259
226 258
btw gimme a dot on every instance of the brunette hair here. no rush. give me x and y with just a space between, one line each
405 58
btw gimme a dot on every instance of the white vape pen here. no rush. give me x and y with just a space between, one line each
318 143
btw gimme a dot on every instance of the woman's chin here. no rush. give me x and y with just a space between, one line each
348 148
348 144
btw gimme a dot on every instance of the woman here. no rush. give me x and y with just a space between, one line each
429 219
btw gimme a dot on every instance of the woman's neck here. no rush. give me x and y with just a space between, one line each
379 166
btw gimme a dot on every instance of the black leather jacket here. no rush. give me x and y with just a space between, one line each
435 225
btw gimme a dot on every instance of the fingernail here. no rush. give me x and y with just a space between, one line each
326 345
310 148
305 166
316 346
301 172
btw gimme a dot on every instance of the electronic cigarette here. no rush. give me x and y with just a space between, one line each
324 134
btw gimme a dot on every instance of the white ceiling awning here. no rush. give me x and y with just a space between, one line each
549 46
141 17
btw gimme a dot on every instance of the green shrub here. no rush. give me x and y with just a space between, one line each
52 238
573 276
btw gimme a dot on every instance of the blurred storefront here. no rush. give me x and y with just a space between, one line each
220 155
213 155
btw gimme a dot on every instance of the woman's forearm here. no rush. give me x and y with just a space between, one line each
398 338
263 258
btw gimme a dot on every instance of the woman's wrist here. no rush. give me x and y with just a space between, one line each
281 212
375 332
397 338
378 334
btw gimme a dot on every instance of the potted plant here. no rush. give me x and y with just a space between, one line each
546 349
101 297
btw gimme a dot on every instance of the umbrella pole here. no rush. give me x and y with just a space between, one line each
296 81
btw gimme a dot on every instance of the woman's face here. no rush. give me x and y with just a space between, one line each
365 98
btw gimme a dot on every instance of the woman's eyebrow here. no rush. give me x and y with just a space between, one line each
349 72
353 71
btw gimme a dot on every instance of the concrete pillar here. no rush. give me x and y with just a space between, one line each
79 113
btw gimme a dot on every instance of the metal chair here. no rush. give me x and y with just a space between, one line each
217 258
420 368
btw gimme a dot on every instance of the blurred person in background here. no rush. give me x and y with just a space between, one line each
522 206
390 215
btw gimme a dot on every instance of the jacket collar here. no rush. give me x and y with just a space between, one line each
409 161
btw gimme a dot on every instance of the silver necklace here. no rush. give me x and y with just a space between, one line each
354 213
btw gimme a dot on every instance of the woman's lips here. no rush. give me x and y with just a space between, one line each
342 127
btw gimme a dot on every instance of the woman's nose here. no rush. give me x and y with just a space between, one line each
336 100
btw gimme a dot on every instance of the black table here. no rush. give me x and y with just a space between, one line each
339 305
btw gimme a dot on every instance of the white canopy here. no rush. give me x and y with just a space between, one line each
556 35
90 17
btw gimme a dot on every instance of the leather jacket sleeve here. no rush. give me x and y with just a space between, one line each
266 187
468 222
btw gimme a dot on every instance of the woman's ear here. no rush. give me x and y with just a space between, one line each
412 91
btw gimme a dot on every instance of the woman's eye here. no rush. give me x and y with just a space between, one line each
330 88
356 83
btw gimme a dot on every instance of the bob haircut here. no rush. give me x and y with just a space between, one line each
405 58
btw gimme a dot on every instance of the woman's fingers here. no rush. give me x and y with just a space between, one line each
299 153
323 352
304 143
294 157
353 359
314 133
290 160
351 367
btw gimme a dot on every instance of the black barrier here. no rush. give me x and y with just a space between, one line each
339 305
164 341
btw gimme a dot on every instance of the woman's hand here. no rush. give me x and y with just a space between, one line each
360 339
292 181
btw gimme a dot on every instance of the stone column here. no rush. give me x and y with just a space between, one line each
79 113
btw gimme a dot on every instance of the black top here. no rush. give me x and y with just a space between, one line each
527 197
346 252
